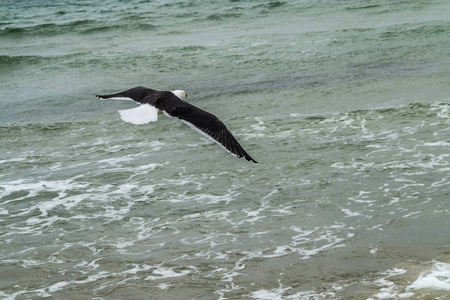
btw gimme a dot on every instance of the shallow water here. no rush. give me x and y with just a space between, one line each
345 107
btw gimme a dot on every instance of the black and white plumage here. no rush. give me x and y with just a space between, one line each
172 104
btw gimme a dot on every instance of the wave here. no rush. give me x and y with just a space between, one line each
271 5
363 7
222 16
424 30
79 26
47 28
8 61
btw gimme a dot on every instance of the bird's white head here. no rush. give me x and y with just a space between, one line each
180 94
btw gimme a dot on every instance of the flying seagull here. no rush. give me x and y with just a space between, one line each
172 104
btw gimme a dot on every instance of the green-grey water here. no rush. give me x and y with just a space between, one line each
344 104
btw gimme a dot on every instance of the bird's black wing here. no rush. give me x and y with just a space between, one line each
210 125
137 94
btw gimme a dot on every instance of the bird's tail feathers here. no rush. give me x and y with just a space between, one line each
142 114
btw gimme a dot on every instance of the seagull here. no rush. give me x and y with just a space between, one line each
172 104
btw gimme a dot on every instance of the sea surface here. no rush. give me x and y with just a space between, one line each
344 104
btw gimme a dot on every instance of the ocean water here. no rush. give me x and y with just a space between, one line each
344 104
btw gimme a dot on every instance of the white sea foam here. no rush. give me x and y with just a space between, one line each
202 197
412 215
307 243
274 294
58 286
258 130
389 290
435 278
164 286
349 213
137 268
163 273
438 277
260 126
88 266
14 159
32 189
280 293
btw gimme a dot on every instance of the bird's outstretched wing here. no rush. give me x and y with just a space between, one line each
199 120
209 125
137 94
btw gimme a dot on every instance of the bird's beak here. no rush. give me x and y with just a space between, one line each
185 95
